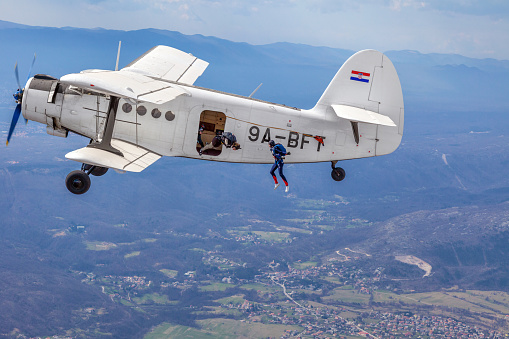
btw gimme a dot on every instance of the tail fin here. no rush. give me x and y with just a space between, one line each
366 89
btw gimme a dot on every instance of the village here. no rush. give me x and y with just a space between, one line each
325 322
284 297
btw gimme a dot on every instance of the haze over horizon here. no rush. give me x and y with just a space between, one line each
471 28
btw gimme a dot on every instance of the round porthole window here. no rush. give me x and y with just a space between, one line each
127 107
141 110
169 116
156 113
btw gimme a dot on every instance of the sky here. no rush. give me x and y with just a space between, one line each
474 28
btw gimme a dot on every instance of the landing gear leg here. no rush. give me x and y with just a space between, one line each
337 173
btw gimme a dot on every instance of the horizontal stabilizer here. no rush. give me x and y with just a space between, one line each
134 159
356 114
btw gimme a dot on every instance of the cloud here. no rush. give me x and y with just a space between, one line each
399 5
468 27
334 6
493 8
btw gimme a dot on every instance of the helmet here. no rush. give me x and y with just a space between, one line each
272 143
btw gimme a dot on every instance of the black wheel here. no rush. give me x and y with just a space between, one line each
338 174
97 171
77 182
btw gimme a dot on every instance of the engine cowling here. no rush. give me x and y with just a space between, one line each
64 108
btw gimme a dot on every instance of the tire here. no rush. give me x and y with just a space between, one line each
338 174
97 171
77 182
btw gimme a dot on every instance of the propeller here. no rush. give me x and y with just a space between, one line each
18 96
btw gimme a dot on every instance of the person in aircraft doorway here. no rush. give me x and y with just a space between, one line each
200 132
279 153
228 139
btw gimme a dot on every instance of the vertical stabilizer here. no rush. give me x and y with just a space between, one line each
368 81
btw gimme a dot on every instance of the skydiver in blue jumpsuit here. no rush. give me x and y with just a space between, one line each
278 152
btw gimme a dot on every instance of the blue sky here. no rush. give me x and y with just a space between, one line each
475 28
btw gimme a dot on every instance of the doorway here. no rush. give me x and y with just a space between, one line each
211 124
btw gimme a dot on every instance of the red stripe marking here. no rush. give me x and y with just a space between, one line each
357 73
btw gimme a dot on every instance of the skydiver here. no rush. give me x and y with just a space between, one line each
278 152
228 139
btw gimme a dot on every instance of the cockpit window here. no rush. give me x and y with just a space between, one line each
73 90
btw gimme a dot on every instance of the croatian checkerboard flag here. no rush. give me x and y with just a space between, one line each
360 76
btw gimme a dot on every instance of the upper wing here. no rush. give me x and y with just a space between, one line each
125 85
163 62
134 159
143 79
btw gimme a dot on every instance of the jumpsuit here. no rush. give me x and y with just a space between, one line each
278 164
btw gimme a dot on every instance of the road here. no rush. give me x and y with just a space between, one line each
351 323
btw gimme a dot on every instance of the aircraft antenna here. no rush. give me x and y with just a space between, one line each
118 55
257 88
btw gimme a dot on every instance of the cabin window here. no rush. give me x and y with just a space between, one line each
211 124
156 113
169 116
126 107
141 110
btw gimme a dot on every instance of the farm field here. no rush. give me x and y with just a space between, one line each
220 328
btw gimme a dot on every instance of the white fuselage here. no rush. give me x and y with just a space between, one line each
253 122
174 131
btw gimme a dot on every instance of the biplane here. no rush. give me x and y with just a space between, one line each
150 108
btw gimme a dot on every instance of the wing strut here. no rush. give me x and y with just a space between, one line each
105 143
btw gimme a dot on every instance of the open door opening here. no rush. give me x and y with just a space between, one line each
211 124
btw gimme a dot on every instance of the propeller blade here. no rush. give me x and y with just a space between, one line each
15 118
30 71
17 75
